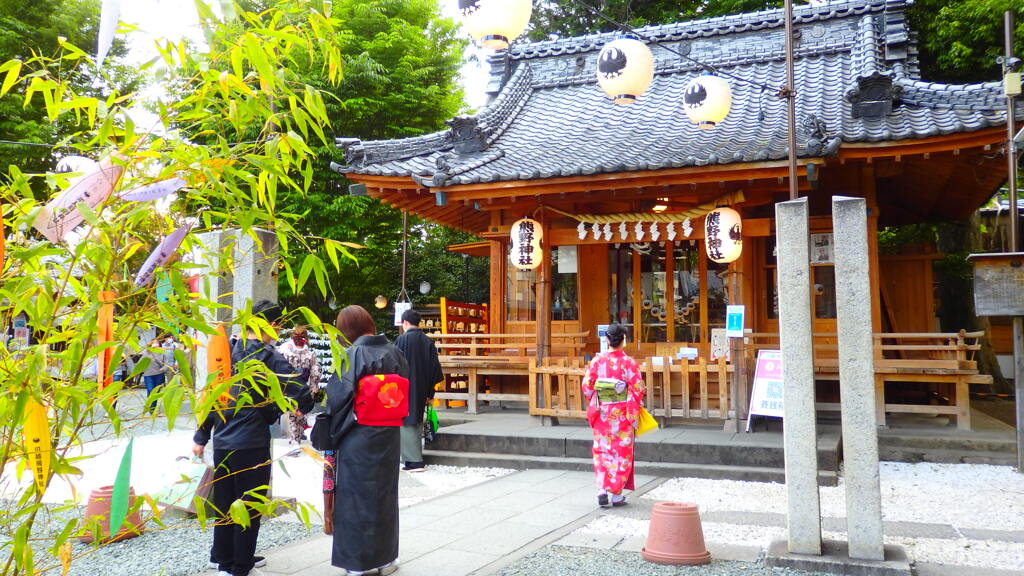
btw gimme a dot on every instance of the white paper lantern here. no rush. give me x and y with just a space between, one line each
723 235
707 100
625 68
495 23
525 252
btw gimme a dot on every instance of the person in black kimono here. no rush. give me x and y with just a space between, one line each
424 373
366 448
241 444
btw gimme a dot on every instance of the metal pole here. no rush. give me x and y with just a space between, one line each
1011 176
794 189
405 246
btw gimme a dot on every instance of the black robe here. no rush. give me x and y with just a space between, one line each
366 488
424 370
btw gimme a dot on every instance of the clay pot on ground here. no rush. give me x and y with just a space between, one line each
676 536
99 506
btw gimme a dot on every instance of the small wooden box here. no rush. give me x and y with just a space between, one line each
998 283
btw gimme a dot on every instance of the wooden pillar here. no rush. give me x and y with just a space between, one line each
868 187
702 289
498 309
544 293
670 292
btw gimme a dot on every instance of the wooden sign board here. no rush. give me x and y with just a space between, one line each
998 283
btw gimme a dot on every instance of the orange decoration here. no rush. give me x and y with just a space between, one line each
105 333
218 360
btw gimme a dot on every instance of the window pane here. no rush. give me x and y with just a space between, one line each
686 299
521 294
824 292
564 300
718 294
620 273
652 292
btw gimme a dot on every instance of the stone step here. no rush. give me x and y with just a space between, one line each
1005 444
912 455
703 451
663 469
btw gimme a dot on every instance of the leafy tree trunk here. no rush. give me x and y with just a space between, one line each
956 291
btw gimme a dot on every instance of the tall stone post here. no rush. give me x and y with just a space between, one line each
800 439
856 379
248 274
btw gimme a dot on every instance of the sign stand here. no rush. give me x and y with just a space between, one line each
766 398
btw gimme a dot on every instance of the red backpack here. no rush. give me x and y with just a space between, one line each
382 400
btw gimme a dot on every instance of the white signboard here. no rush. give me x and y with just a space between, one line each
719 345
400 308
602 334
734 320
766 399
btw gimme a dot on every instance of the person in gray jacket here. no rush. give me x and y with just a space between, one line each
241 438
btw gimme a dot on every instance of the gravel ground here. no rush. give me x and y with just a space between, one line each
178 549
565 560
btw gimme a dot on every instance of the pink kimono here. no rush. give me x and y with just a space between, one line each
613 423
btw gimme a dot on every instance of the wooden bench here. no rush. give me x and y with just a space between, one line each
942 359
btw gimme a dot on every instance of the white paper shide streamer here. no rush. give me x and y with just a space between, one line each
623 230
639 231
61 215
158 257
109 15
597 231
581 231
607 231
655 234
154 191
670 230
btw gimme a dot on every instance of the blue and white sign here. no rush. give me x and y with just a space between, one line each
734 320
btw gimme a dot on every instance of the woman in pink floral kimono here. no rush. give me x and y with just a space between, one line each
615 392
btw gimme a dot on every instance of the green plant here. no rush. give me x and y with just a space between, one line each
238 83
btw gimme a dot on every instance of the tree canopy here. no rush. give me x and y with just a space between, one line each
40 27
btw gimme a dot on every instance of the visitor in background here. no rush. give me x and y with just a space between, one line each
155 375
615 392
366 405
424 373
241 443
297 352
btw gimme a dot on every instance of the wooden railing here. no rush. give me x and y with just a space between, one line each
680 389
942 360
569 344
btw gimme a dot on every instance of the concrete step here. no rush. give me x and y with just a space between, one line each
913 455
702 450
663 469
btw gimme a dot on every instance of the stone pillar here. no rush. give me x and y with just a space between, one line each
856 379
799 424
247 273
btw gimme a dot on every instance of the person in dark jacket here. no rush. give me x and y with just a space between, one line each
424 373
366 481
241 443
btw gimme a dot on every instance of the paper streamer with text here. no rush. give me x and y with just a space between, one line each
36 433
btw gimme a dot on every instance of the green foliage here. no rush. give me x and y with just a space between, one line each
230 185
570 18
39 27
960 39
401 80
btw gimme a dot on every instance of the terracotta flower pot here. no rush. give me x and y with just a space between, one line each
99 506
676 536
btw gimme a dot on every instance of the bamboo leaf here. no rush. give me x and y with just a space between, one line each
119 497
239 514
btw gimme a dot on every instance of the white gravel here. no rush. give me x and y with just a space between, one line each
962 496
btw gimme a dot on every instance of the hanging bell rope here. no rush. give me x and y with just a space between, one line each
695 212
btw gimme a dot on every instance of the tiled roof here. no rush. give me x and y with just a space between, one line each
856 66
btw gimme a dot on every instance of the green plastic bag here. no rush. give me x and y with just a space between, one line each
430 424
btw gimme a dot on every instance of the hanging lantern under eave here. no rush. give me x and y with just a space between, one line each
707 100
495 23
525 251
625 69
723 235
